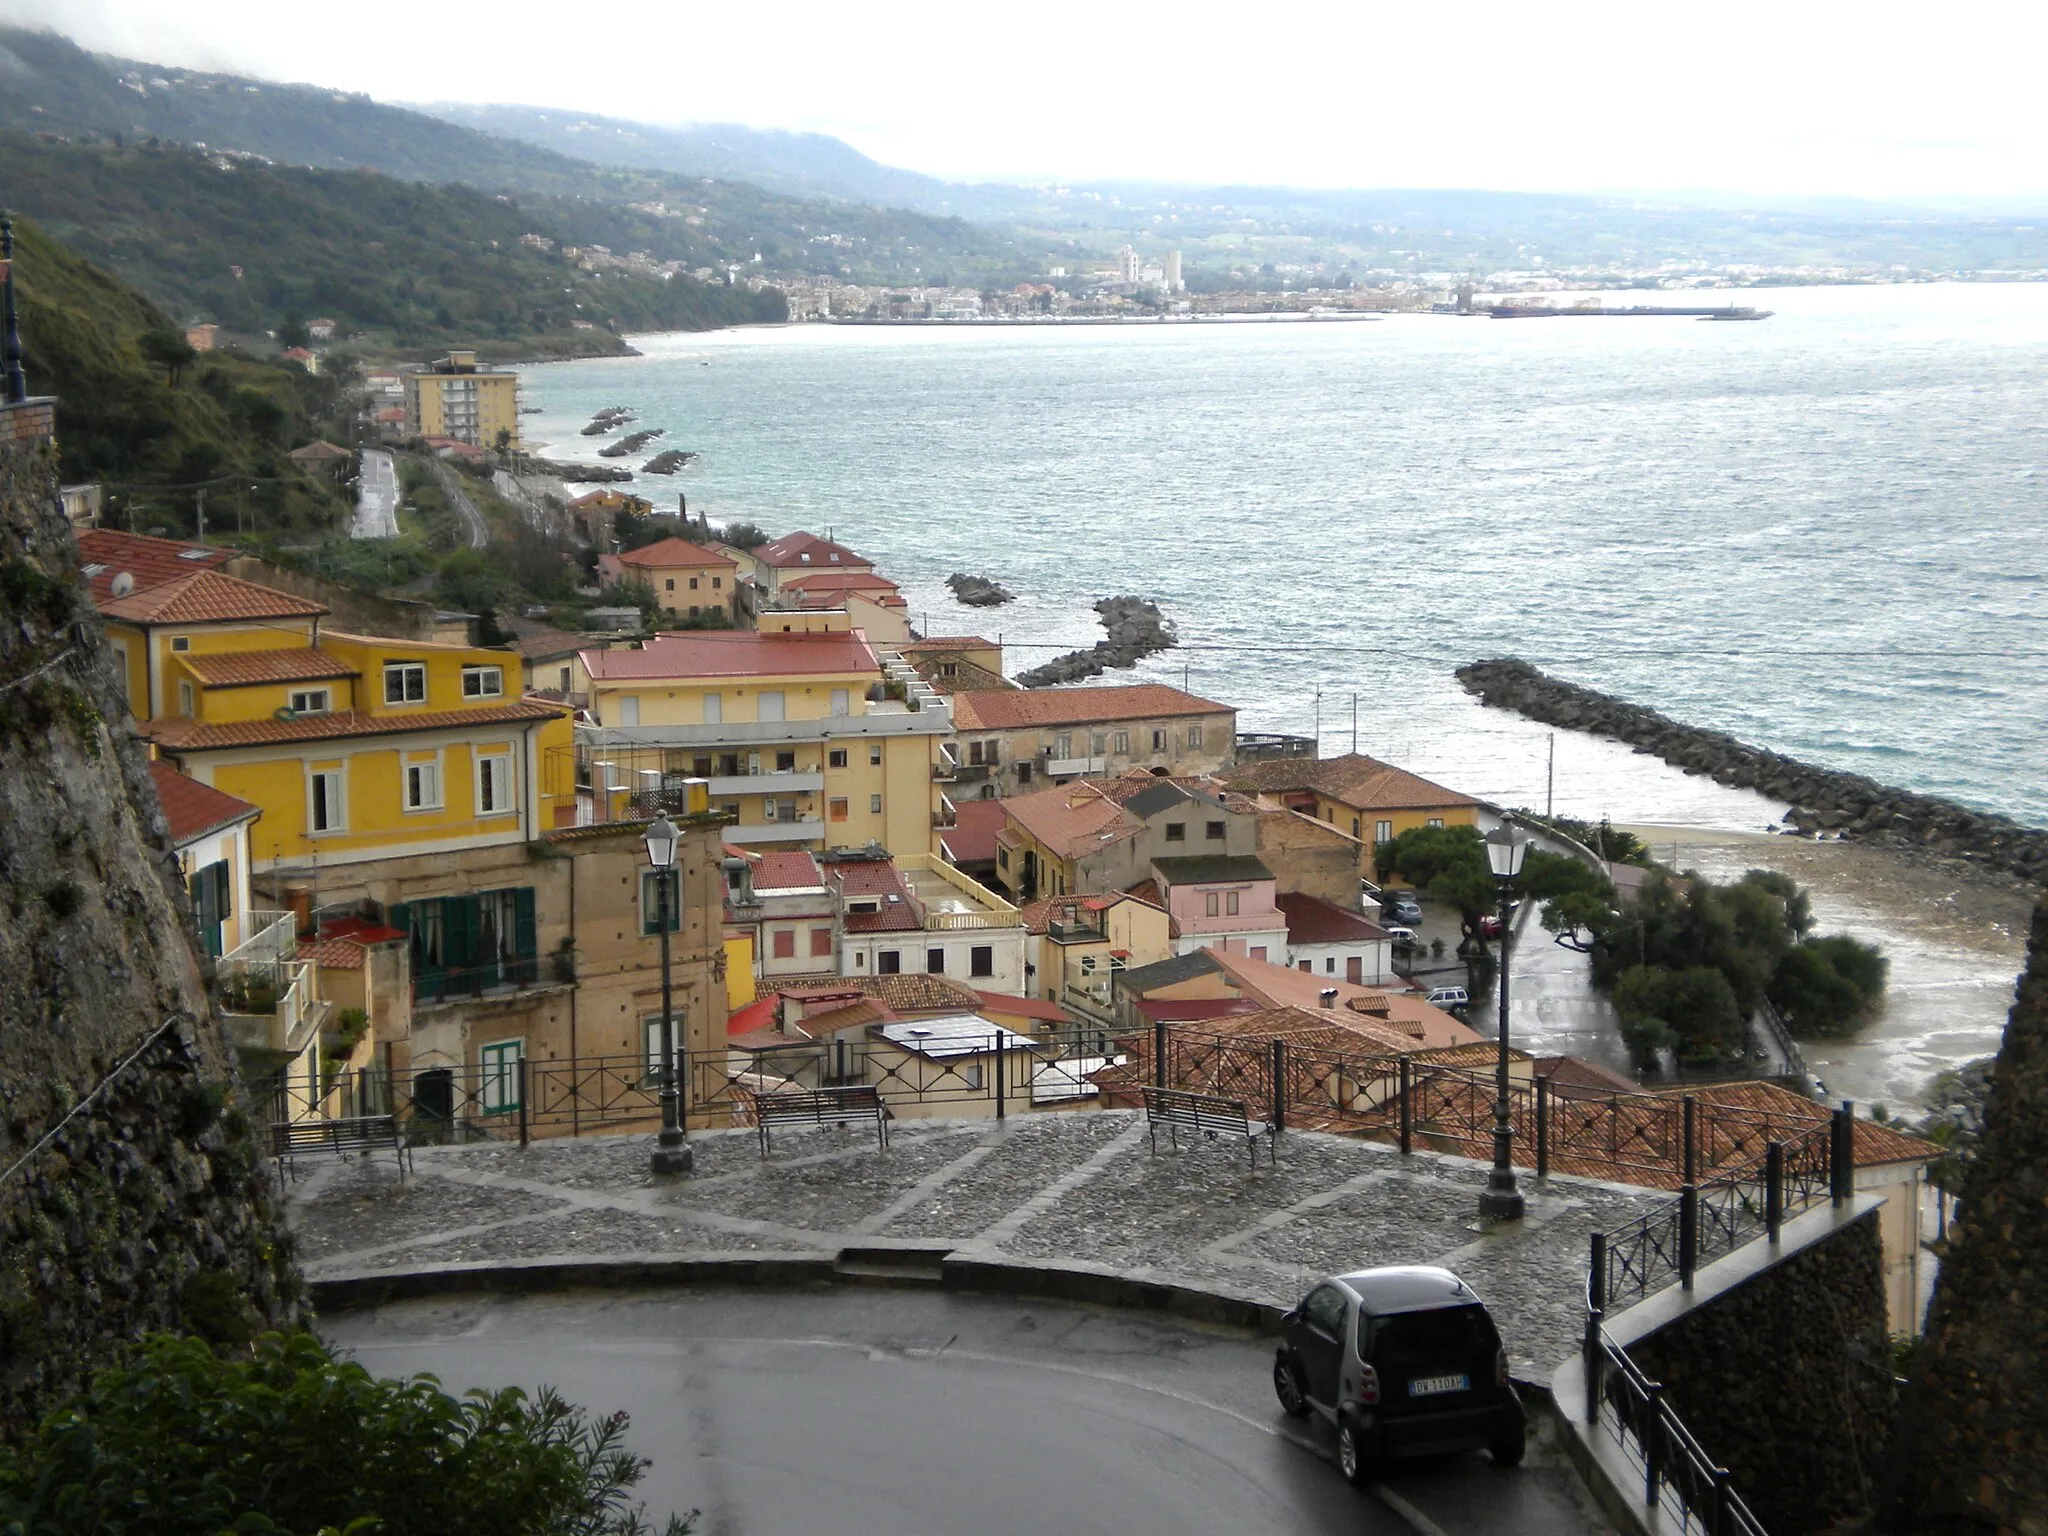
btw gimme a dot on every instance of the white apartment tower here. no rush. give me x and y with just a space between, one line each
1173 282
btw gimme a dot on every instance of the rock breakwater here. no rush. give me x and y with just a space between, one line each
633 442
1136 630
668 461
979 591
1821 800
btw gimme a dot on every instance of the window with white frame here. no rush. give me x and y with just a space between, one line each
874 805
311 701
405 682
493 783
1194 735
1383 831
1123 741
483 682
499 1064
650 1028
1159 741
188 699
423 786
326 810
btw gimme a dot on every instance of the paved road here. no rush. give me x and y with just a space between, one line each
474 528
376 497
899 1412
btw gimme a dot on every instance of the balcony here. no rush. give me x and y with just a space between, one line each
945 770
951 901
946 816
768 784
805 829
269 1009
972 773
1074 933
1064 767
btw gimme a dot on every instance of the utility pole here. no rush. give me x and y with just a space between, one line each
1319 722
1550 780
1354 725
202 514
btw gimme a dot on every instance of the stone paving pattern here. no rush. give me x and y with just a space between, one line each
1077 1188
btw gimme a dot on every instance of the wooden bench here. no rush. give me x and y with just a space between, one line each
1199 1113
361 1133
859 1104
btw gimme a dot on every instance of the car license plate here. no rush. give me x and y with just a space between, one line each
1429 1386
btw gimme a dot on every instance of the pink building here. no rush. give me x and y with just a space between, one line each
1223 901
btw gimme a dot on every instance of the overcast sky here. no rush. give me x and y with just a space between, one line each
1790 97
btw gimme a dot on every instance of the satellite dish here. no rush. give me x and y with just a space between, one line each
124 583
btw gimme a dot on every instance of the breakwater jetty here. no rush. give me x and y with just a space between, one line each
1136 630
1821 800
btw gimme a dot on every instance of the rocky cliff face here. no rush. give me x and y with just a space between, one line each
1973 1441
150 1207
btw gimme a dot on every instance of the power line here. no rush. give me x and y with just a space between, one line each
1328 647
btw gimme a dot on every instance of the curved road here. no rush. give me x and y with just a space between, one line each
856 1410
474 528
376 497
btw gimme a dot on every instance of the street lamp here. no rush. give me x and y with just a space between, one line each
1500 1200
672 1152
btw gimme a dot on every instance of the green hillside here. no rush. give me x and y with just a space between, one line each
224 425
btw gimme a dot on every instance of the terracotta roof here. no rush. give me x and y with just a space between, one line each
1874 1143
876 880
905 994
786 869
1184 1010
949 643
1577 1078
235 669
972 840
105 553
855 1015
1147 890
1037 914
536 641
1071 819
1312 920
766 1040
791 549
733 653
194 809
1361 782
673 554
759 1014
1024 1007
836 580
207 597
318 452
1283 986
1002 709
199 736
334 954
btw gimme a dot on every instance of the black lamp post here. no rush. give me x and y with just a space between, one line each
1500 1200
672 1154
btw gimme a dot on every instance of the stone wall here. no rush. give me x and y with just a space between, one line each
1973 1431
1820 799
151 1208
1786 1379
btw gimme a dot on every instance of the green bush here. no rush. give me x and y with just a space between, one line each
282 1437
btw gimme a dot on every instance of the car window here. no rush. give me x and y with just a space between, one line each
1324 1311
1419 1340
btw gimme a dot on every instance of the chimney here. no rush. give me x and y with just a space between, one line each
1329 997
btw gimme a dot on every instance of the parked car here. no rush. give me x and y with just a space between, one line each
1448 997
1489 927
1401 1361
1405 909
1405 937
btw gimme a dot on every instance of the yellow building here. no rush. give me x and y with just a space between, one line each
807 741
455 398
688 579
1078 945
1361 796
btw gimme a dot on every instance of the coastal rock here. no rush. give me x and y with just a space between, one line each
581 474
979 591
610 419
1136 630
633 442
667 462
1821 800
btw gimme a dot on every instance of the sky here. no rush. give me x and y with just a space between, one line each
1786 98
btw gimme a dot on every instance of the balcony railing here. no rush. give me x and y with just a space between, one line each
269 1005
1061 767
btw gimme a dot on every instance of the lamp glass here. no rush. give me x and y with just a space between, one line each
661 838
1504 850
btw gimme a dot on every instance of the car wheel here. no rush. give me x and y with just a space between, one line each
1287 1387
1509 1442
1351 1457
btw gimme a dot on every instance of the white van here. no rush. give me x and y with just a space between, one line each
1448 997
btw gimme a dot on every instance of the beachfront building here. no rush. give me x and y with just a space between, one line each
1325 939
792 556
872 604
957 663
806 740
1015 740
455 398
1371 801
688 580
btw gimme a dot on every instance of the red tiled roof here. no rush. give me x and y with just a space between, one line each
1186 1009
1312 920
1026 1007
1001 709
207 597
360 929
949 643
857 581
151 562
1573 1076
791 548
334 954
786 869
1071 819
673 553
973 839
1361 782
876 880
759 1014
906 994
194 809
733 653
236 669
199 736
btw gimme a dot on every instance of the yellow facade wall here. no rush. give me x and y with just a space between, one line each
739 971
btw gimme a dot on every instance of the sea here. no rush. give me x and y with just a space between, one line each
1825 532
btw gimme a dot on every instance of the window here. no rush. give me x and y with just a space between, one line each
1354 826
785 810
650 903
935 962
1123 741
325 811
836 758
1212 905
650 1028
213 903
1383 831
889 962
718 583
423 786
970 1075
874 805
769 704
1194 736
842 701
672 584
1159 741
1087 965
693 584
1213 831
783 944
188 699
500 1064
836 808
563 680
181 642
1435 821
1176 831
1002 858
821 943
1330 964
120 668
1024 772
875 755
1063 746
1258 951
405 682
981 960
785 762
693 610
311 701
1230 903
714 709
493 783
1098 744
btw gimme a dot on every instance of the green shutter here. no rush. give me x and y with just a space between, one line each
526 942
460 919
